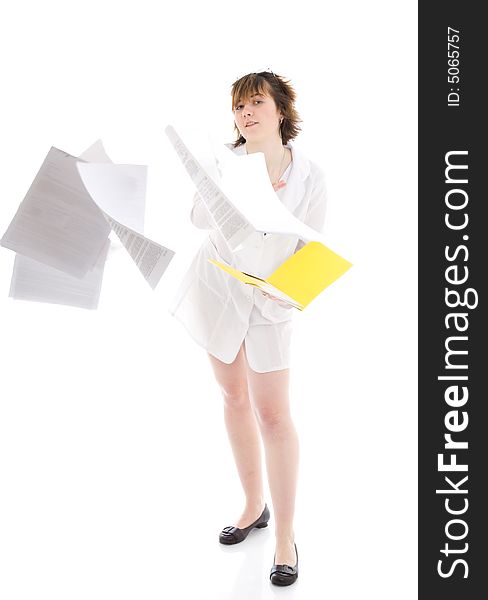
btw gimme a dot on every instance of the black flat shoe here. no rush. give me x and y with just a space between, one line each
234 535
284 574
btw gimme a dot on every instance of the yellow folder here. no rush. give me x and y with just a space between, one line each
301 278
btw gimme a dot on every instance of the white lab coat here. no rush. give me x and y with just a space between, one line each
219 311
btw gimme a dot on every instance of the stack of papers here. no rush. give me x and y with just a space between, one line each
61 228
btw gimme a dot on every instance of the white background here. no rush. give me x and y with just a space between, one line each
116 473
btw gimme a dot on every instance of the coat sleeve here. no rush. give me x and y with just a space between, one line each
315 216
199 214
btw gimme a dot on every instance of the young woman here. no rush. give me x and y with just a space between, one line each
246 332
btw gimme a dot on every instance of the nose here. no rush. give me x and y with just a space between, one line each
247 110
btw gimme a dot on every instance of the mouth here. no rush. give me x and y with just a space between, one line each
251 123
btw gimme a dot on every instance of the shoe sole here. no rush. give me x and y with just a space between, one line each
288 581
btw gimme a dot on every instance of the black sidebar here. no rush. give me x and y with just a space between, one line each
453 259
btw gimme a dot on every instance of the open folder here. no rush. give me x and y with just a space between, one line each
300 278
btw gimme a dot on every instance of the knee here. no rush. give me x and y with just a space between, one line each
273 421
235 396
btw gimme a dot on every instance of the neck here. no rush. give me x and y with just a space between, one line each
272 148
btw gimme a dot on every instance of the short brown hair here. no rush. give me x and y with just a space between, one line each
280 90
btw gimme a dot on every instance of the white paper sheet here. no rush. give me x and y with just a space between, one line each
151 258
231 222
119 191
57 223
245 181
96 153
35 281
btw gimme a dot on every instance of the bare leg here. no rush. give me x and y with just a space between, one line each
243 433
269 393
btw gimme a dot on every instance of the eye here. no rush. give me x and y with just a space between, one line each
240 106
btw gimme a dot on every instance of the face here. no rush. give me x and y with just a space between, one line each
257 117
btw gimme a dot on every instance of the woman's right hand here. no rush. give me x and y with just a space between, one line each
275 299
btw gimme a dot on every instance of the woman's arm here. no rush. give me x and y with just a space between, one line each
315 216
199 214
